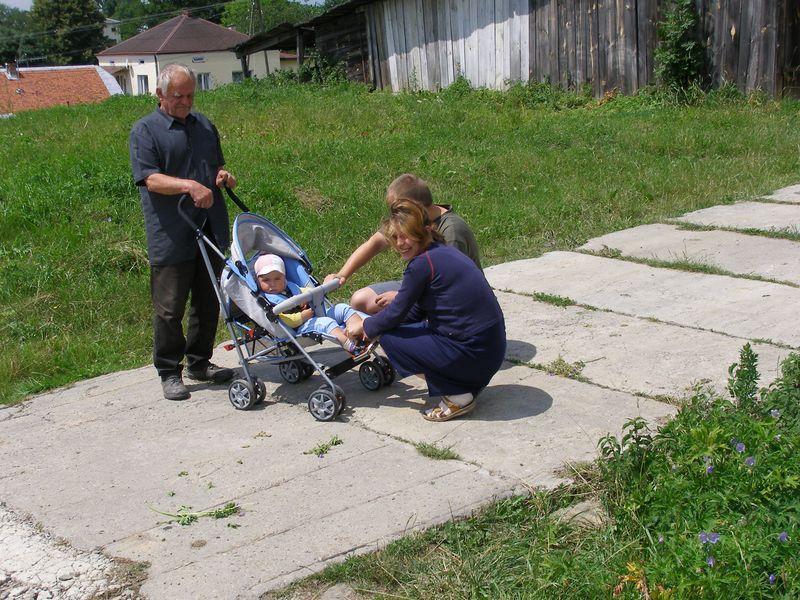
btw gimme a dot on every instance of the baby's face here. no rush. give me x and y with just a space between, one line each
273 282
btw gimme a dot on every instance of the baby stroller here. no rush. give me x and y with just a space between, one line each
258 335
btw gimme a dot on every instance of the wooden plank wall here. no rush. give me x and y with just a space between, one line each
604 44
346 39
427 44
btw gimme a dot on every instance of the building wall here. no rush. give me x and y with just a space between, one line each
220 65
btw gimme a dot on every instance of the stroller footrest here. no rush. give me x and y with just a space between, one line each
340 368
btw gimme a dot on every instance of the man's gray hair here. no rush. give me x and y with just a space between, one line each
169 72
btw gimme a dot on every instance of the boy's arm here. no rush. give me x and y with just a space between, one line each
362 255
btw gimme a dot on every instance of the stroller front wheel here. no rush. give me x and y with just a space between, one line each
324 405
242 395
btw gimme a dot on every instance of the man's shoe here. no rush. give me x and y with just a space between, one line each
174 389
211 372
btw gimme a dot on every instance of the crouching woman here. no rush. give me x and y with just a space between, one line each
445 323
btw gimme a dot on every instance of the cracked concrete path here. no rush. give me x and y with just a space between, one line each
790 194
93 463
748 215
769 258
626 353
738 307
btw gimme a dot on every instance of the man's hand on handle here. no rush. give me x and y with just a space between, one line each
225 179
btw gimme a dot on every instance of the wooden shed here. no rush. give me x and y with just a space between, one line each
606 44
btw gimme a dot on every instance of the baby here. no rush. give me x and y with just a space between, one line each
271 273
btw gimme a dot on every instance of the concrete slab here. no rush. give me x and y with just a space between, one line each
90 462
524 424
748 215
92 480
789 194
766 257
738 307
626 353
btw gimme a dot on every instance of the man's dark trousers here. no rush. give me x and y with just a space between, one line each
170 288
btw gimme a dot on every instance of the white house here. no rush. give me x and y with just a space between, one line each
111 30
203 46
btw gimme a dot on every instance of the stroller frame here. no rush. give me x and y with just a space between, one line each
289 354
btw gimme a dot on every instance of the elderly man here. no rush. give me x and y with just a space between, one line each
175 151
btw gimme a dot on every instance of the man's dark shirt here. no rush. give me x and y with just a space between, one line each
190 150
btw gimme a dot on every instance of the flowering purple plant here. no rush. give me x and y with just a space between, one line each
711 561
750 461
708 538
740 447
661 539
709 469
775 413
783 536
772 579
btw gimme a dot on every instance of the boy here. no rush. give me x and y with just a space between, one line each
271 273
451 227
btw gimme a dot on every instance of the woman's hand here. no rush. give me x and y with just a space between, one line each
355 330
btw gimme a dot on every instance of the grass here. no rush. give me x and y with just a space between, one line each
530 170
323 448
436 452
704 508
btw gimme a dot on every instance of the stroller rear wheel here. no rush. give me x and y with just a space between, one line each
306 370
388 370
324 405
261 390
242 395
291 371
371 376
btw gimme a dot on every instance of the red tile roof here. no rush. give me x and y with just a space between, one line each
52 86
179 35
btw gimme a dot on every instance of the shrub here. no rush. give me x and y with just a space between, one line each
678 57
712 497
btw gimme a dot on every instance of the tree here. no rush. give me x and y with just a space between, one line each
71 31
15 41
238 14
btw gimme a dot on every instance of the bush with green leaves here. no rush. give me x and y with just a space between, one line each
678 58
714 496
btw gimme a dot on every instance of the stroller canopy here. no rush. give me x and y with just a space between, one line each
253 234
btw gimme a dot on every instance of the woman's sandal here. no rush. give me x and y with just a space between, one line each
449 411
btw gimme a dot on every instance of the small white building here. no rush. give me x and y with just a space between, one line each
203 46
111 30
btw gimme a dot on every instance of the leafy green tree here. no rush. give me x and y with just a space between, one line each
74 30
238 14
15 39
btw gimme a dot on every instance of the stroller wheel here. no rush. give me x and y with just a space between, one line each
340 399
371 376
306 371
241 394
324 405
291 371
388 370
261 390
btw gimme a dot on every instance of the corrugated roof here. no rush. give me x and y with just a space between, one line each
180 35
41 87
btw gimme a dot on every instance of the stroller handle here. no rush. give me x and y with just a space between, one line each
306 297
186 197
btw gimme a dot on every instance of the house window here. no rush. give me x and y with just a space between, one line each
204 81
142 83
123 82
238 76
